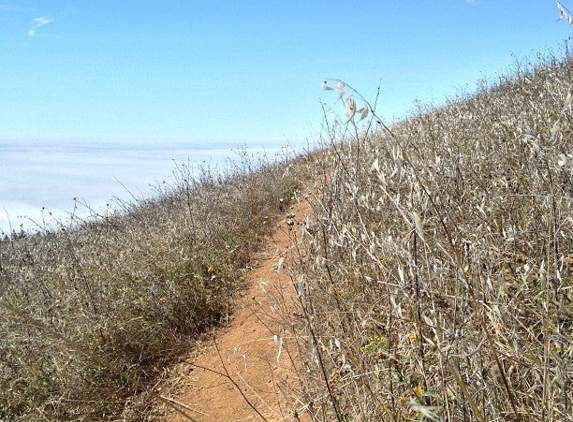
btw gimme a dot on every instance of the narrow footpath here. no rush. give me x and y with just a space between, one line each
247 372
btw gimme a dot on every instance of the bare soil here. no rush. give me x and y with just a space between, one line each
239 375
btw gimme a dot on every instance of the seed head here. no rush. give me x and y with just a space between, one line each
564 13
350 109
341 88
363 112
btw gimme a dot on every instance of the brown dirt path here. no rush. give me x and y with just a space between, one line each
241 365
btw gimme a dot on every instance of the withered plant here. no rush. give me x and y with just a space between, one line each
91 314
438 277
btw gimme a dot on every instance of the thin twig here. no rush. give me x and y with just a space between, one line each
228 376
173 403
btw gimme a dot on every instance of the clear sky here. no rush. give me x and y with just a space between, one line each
246 70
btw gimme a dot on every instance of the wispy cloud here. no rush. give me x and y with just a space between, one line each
5 7
38 23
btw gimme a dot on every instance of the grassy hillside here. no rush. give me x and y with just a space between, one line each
439 280
91 315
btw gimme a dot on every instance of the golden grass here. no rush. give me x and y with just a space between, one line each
436 281
91 315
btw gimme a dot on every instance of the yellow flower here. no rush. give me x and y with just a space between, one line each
376 342
418 390
210 269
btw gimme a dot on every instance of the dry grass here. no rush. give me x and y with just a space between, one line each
90 315
438 282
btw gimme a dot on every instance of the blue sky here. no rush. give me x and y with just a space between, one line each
248 71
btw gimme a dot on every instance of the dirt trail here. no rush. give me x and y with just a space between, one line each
246 351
